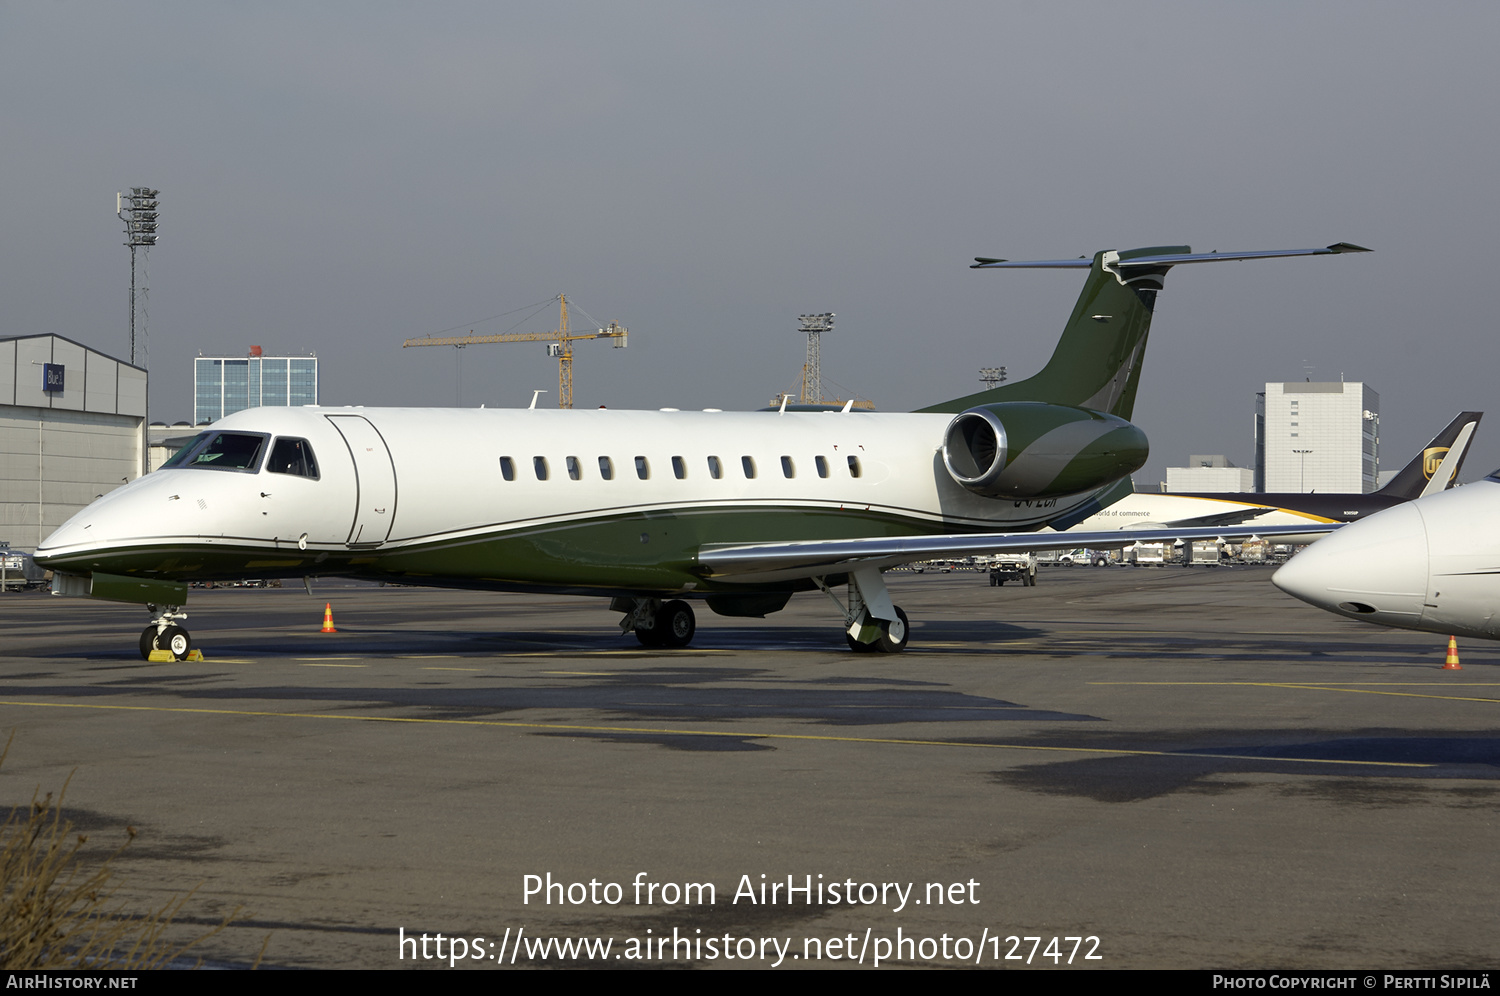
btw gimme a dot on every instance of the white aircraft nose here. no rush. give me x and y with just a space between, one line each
1375 570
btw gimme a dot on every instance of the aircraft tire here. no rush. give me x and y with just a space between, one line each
148 641
675 624
649 636
893 635
177 640
857 647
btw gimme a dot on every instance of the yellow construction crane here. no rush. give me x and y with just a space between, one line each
559 344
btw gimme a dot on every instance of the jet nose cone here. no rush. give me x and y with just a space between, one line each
74 532
1375 570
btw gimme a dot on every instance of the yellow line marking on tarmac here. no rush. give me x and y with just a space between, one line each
591 674
744 735
1305 686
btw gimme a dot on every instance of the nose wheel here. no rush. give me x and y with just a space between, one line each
174 639
164 634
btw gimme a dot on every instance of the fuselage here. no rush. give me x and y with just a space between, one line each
1142 510
1431 564
596 501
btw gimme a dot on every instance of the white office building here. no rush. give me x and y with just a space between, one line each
1209 473
1317 437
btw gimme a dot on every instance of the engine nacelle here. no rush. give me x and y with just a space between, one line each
1023 449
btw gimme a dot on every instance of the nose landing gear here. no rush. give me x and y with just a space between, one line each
165 634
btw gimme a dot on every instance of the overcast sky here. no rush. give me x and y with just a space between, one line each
336 177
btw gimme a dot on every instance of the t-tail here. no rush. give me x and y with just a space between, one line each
1436 467
1097 362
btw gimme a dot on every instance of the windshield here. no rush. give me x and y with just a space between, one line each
221 451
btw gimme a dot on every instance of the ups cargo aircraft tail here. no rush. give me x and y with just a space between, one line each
1435 468
649 509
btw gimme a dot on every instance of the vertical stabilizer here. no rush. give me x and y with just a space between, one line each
1436 467
1097 362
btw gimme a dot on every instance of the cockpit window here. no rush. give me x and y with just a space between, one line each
175 459
222 451
292 456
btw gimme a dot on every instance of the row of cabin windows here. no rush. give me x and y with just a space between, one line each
574 467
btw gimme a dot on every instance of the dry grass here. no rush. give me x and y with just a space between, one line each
56 905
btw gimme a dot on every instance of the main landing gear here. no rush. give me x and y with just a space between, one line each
165 634
657 623
872 624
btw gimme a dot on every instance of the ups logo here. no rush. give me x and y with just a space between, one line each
1432 458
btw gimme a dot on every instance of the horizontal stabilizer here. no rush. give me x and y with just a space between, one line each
1162 259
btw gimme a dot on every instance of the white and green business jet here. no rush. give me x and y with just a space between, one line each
648 509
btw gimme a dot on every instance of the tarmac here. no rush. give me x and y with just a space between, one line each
1137 767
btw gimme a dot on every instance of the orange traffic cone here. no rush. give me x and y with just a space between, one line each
328 618
1451 664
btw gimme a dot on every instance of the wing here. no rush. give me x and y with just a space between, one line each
759 562
1223 519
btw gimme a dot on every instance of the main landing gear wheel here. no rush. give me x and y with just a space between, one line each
892 638
173 638
673 626
650 636
676 623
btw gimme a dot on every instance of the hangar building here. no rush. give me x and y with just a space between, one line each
72 427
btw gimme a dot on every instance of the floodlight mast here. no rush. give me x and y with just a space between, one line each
812 374
138 210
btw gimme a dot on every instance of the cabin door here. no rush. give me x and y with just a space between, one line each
375 481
